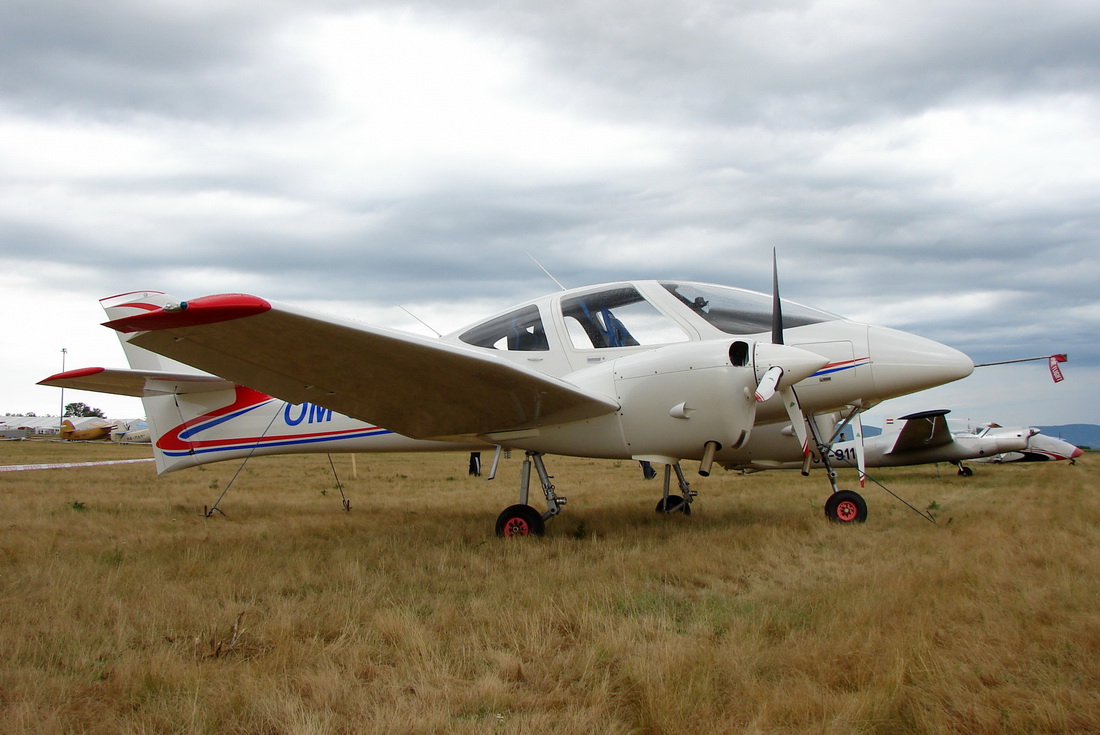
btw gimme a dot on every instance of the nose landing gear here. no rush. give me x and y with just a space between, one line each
843 506
846 506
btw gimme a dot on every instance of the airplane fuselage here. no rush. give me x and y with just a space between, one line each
655 370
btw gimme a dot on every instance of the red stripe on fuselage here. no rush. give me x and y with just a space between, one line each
246 398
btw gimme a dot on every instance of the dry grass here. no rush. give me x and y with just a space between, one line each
124 610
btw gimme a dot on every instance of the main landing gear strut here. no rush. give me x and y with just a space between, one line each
521 519
676 503
843 506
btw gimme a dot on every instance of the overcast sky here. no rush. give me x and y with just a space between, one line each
927 165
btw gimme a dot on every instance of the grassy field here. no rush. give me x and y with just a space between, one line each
124 610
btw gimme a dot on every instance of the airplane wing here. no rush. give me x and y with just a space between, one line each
921 431
134 382
416 386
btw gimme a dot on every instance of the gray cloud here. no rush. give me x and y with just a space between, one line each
801 64
120 59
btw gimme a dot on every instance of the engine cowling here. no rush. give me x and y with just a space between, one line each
673 400
677 398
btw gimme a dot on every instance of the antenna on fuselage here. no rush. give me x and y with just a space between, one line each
555 280
414 316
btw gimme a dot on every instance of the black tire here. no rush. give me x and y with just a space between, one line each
520 520
675 504
846 506
965 471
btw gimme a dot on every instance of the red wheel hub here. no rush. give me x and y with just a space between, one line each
516 527
847 511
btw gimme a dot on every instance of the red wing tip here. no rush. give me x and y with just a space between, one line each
193 313
70 374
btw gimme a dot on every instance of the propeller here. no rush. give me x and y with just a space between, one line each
777 304
773 380
773 368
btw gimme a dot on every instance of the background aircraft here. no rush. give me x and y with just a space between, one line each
91 433
918 438
660 371
132 432
1040 448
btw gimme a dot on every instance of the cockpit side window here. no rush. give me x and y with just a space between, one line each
741 312
617 317
519 330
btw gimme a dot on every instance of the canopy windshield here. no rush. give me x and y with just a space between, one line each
735 311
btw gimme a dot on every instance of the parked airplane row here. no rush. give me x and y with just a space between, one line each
927 437
657 371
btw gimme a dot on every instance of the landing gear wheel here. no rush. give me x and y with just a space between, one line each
520 520
965 471
846 506
674 504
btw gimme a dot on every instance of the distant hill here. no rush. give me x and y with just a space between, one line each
1081 435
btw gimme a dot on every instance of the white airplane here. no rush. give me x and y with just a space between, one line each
1040 448
919 438
132 432
660 371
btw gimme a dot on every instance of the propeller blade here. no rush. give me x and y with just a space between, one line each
769 383
777 309
773 379
861 458
798 419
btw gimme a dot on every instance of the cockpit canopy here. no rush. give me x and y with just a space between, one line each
622 315
736 311
517 330
616 316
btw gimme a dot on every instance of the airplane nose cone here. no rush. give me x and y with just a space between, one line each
903 363
1077 452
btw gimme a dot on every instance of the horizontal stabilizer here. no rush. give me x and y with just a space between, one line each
138 383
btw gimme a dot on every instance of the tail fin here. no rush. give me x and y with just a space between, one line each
195 418
139 302
174 394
